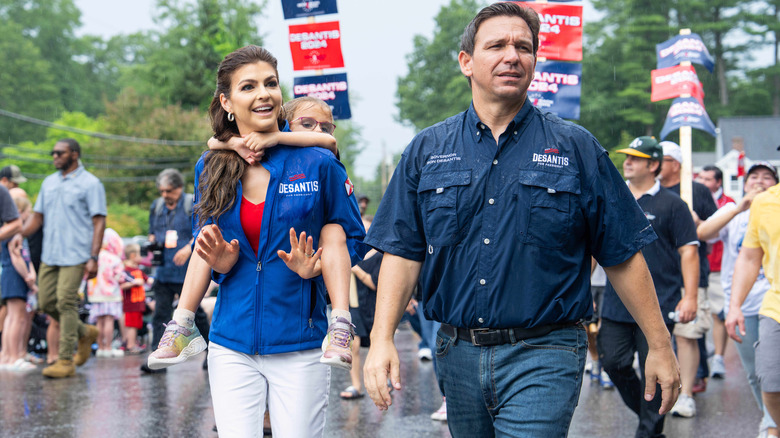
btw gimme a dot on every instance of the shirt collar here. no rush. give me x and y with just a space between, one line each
652 191
73 174
718 193
478 129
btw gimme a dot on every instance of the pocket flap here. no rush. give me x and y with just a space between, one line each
436 180
553 182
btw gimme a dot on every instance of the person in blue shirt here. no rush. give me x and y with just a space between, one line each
497 211
269 322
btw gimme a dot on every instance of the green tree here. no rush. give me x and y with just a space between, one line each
28 85
434 88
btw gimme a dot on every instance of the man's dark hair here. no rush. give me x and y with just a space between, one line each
716 170
507 9
73 145
660 165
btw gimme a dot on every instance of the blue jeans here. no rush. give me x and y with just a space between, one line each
527 389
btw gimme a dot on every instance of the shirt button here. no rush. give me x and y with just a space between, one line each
495 162
482 126
515 133
491 201
478 132
481 320
482 282
487 241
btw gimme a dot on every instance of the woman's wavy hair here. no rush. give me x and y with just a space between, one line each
223 169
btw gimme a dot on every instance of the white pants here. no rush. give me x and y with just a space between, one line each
295 385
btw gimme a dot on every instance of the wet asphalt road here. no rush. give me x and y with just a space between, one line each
111 398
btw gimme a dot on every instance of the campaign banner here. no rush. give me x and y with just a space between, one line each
671 82
560 33
298 8
684 48
687 111
556 88
333 89
316 46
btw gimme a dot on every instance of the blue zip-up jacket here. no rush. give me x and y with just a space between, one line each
263 307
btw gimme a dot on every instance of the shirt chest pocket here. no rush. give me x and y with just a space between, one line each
545 208
442 206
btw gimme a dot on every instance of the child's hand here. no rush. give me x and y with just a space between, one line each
302 259
259 141
138 282
213 248
239 145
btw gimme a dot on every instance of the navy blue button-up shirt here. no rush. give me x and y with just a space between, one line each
171 219
505 231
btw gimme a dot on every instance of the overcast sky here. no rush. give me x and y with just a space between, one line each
375 42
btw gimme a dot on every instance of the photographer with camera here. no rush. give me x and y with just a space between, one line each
170 241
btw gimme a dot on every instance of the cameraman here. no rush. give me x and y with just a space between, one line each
170 228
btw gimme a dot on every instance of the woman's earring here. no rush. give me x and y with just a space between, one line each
231 117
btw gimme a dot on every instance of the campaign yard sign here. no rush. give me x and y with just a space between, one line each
560 33
684 48
556 88
316 46
333 89
299 8
671 82
687 111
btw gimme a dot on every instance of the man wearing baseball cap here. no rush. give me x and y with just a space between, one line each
673 263
11 176
691 350
761 248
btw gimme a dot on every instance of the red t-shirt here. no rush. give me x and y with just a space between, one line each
716 251
252 221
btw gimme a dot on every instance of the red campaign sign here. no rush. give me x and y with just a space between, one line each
672 82
560 34
316 46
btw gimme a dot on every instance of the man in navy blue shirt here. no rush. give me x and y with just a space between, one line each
672 261
498 210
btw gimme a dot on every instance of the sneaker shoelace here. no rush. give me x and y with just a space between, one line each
340 337
170 335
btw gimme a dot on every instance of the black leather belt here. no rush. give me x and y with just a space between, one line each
488 337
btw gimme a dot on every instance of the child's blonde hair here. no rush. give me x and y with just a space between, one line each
293 106
132 248
22 203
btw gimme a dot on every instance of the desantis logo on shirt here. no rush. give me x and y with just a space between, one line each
298 187
551 157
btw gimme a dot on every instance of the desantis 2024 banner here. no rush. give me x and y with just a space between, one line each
316 46
671 82
333 89
556 88
560 35
687 111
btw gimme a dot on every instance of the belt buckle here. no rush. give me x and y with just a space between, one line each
472 332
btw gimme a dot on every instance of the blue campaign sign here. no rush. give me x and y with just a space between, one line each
333 89
300 8
684 48
687 111
556 88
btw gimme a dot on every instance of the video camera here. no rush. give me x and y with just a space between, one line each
156 248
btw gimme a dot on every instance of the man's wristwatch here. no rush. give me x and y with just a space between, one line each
95 258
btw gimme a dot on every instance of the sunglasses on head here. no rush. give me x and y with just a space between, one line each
310 124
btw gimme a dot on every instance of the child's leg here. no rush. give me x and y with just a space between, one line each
101 332
24 340
14 326
52 340
336 271
336 268
131 337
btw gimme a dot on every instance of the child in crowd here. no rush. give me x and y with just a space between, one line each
105 294
134 297
305 115
17 281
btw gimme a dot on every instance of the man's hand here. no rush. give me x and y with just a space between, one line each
382 360
735 319
302 259
661 368
215 251
411 308
182 255
687 309
90 270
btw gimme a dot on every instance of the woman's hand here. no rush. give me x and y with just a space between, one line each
215 251
302 259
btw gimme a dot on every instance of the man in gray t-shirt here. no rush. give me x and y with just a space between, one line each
71 207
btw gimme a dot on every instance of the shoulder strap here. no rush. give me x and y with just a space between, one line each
188 200
158 206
